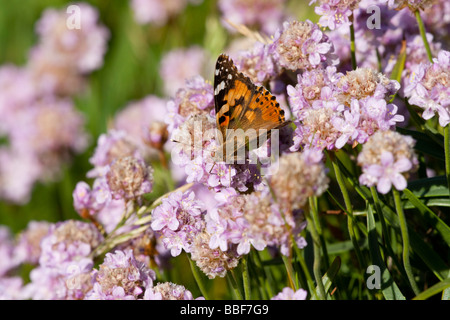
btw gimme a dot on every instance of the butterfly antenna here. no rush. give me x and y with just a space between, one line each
212 167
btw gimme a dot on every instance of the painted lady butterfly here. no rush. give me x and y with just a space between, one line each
240 104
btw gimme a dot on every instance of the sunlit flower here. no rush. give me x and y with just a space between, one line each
386 159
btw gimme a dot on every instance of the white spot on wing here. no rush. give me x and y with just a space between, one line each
220 87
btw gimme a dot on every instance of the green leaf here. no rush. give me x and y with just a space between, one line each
429 202
438 287
428 256
399 65
328 277
344 246
429 216
388 286
423 250
429 187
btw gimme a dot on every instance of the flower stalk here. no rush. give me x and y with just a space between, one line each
198 278
447 153
352 44
405 239
423 34
349 210
232 281
317 254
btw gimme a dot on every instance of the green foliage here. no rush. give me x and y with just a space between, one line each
130 72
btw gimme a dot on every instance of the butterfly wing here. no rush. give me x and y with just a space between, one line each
240 104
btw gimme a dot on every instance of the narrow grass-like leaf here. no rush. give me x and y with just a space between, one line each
388 286
438 287
397 71
328 277
429 203
429 187
423 250
430 216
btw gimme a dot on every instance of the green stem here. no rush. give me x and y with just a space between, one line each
423 34
268 275
317 224
352 44
447 153
290 271
349 209
305 269
246 278
379 211
317 256
259 272
343 187
198 278
385 232
234 285
405 238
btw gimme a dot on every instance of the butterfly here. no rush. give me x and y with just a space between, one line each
241 106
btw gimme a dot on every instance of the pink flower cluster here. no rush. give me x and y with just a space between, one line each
158 12
178 219
429 88
333 109
39 119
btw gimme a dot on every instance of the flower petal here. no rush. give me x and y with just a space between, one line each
399 181
384 185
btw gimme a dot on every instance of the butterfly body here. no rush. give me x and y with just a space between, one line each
243 110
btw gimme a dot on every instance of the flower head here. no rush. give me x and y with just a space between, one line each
121 277
289 294
129 178
174 70
386 159
111 146
264 15
302 45
48 283
299 176
168 291
143 122
178 219
196 97
148 249
64 55
257 63
157 12
68 242
335 13
413 5
64 263
365 82
429 88
333 109
268 223
213 262
28 247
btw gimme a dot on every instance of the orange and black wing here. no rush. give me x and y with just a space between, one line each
240 104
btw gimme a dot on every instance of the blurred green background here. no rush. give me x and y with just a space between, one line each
130 72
